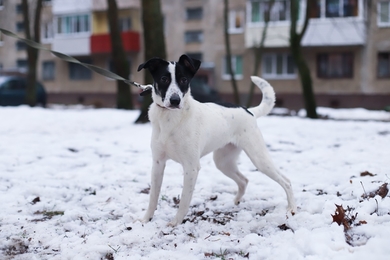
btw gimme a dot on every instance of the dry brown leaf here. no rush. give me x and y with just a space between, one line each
339 215
36 200
367 173
381 191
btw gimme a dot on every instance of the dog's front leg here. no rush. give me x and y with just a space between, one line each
157 177
190 176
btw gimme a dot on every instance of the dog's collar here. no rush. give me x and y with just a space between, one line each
160 106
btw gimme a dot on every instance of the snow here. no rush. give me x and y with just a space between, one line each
90 169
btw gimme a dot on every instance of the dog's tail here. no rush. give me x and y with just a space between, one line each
268 101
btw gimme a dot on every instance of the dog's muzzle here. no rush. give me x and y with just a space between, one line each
174 100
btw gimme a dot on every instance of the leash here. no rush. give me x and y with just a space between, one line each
145 88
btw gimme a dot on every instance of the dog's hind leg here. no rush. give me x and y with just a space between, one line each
157 177
226 161
255 148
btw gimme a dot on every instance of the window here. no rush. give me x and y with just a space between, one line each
73 24
125 24
236 21
79 72
20 27
194 13
236 65
335 65
48 70
341 8
278 66
384 13
193 36
20 46
1 4
47 31
22 64
383 66
334 8
19 9
261 11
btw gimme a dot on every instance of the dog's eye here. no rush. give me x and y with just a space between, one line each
183 81
164 79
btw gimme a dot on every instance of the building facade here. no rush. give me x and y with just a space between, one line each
347 47
78 28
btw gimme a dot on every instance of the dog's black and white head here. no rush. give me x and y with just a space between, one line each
171 80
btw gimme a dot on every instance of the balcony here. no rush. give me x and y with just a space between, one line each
75 45
348 31
101 43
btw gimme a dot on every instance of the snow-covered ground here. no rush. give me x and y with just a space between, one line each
73 182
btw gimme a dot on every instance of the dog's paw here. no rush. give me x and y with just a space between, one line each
175 222
143 220
292 210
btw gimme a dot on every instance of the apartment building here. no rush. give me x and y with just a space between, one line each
78 28
347 46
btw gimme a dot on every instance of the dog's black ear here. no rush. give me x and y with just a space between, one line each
146 92
152 64
191 64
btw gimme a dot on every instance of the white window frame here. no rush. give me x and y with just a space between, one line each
341 14
382 24
271 22
226 74
232 21
82 33
359 16
273 74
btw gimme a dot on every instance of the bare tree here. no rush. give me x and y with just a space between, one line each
228 52
297 54
119 58
32 53
258 50
154 45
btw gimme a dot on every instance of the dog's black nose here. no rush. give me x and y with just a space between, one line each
175 100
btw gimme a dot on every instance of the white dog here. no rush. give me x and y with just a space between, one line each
184 130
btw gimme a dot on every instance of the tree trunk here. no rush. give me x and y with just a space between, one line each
258 52
228 52
297 53
119 58
32 53
154 45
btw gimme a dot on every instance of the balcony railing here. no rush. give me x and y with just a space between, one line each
101 43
